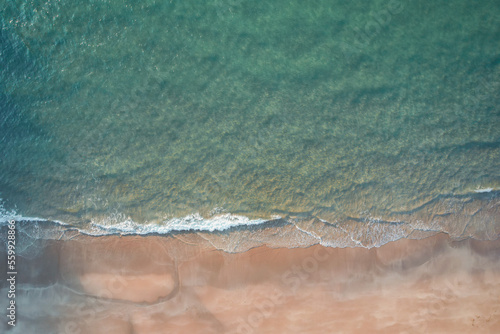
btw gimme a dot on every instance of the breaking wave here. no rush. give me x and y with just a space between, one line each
475 215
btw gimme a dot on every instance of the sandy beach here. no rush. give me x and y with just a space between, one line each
182 284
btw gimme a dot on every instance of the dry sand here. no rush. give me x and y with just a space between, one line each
182 284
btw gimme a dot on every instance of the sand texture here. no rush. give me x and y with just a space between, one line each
182 284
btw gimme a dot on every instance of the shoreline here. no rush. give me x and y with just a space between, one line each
183 284
461 217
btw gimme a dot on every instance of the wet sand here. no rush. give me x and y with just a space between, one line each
182 284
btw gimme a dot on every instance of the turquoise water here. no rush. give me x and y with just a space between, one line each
154 110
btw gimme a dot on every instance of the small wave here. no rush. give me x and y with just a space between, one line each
126 226
460 216
484 190
8 215
194 222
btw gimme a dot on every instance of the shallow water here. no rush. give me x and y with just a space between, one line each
117 111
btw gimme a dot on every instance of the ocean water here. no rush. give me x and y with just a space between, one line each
373 117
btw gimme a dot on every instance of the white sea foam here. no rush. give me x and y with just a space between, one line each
371 232
194 222
118 224
8 215
484 190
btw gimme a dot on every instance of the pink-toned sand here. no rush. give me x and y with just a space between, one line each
182 284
